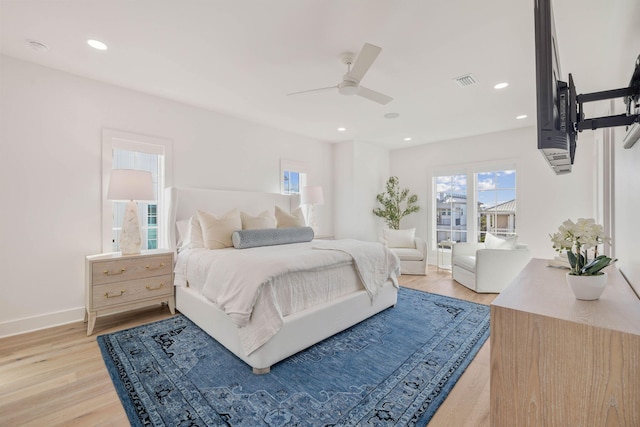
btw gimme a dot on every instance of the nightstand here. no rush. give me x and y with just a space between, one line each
116 282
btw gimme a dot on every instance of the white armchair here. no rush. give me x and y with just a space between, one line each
488 269
411 250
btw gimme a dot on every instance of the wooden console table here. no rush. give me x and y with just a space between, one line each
558 361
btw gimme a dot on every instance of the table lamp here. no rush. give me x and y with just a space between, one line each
130 185
312 196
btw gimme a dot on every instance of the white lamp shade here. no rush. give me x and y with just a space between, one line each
311 195
129 184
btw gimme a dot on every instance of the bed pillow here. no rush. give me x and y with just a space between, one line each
192 237
263 220
182 228
288 220
400 238
216 232
243 239
500 242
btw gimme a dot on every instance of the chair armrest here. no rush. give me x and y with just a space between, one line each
421 245
465 249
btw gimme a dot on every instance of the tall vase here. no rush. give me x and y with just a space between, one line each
587 288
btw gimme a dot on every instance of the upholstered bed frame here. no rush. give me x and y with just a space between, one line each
299 330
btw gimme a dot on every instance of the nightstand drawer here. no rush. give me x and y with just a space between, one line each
114 294
128 269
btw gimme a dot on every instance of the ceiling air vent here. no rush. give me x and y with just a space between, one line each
466 80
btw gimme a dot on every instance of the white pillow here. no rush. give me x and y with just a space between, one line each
192 238
500 242
216 232
400 238
286 220
182 228
263 220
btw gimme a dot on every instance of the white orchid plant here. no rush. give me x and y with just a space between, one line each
577 238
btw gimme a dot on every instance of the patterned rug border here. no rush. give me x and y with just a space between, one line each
133 404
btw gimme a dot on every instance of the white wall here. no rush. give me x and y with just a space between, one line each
360 171
626 234
50 177
544 200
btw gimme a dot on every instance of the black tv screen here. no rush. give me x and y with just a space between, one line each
555 98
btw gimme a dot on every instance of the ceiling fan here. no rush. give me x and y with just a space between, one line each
356 69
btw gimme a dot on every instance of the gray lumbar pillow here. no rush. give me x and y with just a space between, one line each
243 239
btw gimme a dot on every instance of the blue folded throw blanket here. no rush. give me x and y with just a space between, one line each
243 239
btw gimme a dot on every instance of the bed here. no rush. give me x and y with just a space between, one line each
299 326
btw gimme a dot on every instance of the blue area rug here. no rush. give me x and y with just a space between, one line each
393 369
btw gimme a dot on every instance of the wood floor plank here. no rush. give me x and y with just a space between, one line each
56 376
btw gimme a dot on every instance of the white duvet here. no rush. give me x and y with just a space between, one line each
253 285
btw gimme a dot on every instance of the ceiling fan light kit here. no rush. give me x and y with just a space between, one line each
356 69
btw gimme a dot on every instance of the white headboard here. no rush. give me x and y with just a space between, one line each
181 203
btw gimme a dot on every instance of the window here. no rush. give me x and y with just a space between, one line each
147 211
451 208
293 176
129 151
466 216
291 182
496 196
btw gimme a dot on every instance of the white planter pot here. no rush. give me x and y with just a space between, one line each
587 288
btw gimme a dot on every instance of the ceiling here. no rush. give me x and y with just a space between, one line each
242 57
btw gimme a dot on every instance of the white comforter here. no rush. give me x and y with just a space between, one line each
240 281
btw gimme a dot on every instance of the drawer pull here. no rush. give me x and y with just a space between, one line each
149 288
108 273
106 294
148 267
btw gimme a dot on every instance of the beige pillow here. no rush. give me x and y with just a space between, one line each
500 242
286 220
216 232
400 238
263 220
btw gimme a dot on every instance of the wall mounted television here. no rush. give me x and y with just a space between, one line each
559 109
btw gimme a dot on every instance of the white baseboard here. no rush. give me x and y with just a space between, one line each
35 323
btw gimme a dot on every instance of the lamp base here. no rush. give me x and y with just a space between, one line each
312 220
130 240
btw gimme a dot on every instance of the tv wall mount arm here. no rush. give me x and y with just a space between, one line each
630 94
607 121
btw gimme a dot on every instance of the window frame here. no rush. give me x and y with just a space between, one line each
115 139
470 170
302 168
449 211
495 190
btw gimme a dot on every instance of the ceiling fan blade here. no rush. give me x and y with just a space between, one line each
363 62
313 90
372 95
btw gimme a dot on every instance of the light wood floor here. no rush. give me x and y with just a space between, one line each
57 377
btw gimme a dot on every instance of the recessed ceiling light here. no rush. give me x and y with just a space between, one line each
40 47
391 116
501 85
97 44
341 129
521 116
408 138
